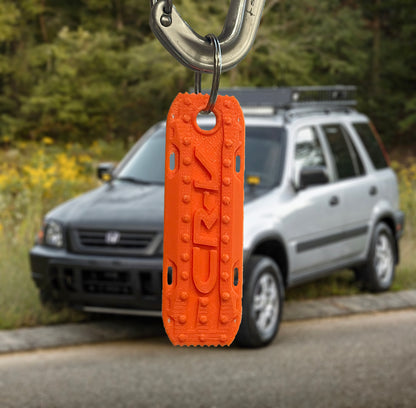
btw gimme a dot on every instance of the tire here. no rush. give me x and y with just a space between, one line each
263 295
377 274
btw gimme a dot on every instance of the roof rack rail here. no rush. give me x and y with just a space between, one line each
321 109
294 97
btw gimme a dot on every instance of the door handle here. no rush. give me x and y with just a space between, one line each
334 201
373 190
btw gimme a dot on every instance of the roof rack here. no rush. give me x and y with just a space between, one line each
294 97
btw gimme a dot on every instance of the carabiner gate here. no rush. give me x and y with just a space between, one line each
195 51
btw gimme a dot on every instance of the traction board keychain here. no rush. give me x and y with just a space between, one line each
204 190
203 227
203 232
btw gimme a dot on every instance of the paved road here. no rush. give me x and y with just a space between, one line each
357 361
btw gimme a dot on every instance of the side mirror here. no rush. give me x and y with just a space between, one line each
105 171
312 176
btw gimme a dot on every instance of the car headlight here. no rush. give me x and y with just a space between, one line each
54 235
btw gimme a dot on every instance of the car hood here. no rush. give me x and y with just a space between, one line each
115 205
119 205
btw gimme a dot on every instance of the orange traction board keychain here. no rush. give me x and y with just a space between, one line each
204 183
203 230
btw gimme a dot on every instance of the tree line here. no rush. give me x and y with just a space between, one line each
87 69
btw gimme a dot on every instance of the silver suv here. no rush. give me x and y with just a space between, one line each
319 196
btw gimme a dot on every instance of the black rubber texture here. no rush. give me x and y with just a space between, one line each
367 273
248 335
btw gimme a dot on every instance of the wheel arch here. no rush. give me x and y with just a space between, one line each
273 247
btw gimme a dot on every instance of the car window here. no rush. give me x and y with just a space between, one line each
359 167
308 150
264 158
347 161
148 163
370 142
264 155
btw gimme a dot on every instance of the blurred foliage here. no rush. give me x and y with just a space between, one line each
35 177
88 69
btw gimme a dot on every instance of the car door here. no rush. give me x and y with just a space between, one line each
315 216
359 188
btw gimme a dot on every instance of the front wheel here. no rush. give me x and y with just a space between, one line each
263 295
377 273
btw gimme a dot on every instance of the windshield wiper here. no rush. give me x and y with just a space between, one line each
133 180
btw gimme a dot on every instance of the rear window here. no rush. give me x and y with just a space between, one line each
347 161
370 142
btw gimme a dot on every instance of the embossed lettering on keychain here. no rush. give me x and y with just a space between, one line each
203 227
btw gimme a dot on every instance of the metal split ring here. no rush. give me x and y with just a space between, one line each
168 7
215 77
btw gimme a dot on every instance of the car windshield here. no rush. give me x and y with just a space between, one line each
264 158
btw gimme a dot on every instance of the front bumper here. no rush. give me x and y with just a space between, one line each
98 283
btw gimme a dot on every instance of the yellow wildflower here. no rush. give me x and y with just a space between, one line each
47 140
85 158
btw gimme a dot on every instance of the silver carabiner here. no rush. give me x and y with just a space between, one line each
195 51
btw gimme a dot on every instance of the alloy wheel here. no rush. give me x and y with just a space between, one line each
266 304
384 259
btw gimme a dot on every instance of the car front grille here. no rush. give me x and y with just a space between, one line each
129 240
115 242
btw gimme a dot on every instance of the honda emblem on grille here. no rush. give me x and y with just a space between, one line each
112 237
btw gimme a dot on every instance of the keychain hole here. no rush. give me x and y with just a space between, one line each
202 120
172 161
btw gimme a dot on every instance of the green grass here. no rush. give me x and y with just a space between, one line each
406 271
19 301
341 283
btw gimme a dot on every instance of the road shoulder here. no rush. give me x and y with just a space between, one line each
128 328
